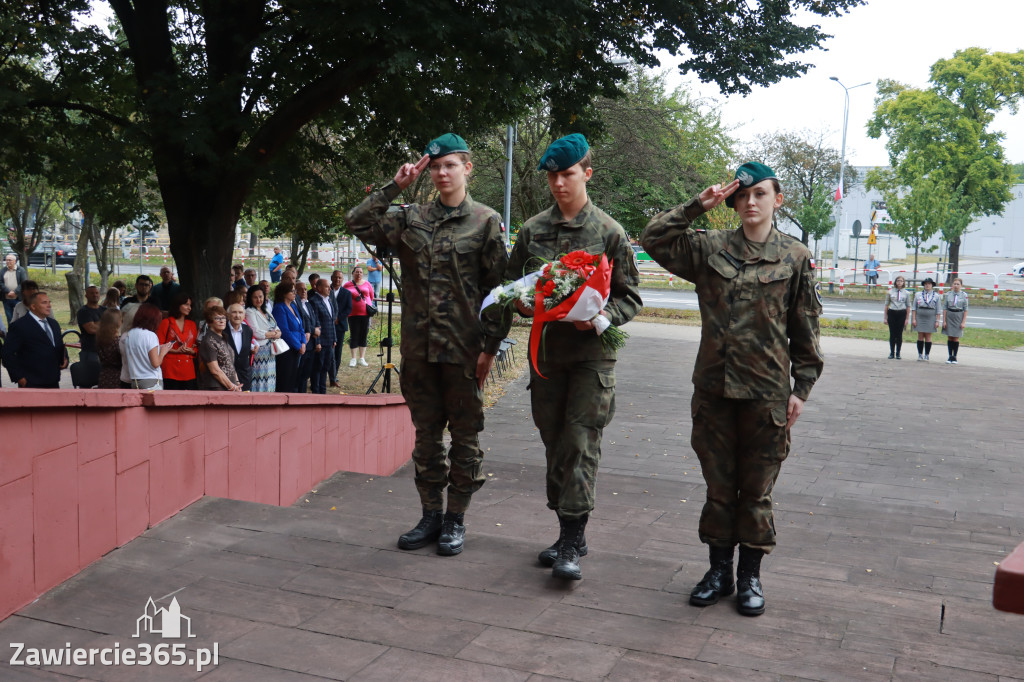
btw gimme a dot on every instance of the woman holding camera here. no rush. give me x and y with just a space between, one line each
359 318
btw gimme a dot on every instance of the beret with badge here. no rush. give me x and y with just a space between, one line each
564 153
750 174
449 143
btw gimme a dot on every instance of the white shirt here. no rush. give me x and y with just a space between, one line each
135 347
236 336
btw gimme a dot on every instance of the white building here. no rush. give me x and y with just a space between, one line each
999 236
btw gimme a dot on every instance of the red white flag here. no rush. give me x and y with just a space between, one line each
839 193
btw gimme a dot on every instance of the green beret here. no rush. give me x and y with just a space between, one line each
449 143
563 153
750 174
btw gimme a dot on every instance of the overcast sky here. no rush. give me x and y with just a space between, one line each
897 39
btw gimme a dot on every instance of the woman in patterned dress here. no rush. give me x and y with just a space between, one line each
264 330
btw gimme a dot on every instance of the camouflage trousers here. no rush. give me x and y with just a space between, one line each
444 395
571 407
741 445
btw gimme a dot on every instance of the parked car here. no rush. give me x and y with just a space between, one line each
148 237
46 252
1018 270
641 255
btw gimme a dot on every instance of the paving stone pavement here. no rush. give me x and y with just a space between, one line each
903 489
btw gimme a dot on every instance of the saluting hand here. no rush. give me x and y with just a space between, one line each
716 194
410 171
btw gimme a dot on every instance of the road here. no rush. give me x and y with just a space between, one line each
981 318
1010 319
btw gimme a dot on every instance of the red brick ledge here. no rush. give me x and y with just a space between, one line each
43 398
1008 591
102 466
116 398
229 399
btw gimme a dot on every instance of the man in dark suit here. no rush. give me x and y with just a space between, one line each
326 312
310 322
239 336
34 352
343 297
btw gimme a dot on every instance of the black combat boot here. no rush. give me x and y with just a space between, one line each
453 534
425 532
548 556
717 582
749 593
567 563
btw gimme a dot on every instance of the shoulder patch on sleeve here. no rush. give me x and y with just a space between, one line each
817 292
700 230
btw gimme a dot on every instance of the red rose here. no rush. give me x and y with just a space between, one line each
548 288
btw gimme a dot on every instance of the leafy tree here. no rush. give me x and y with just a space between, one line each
943 132
530 194
815 216
808 169
110 191
917 212
30 206
656 149
222 87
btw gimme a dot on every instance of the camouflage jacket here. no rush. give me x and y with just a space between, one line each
759 314
450 262
547 236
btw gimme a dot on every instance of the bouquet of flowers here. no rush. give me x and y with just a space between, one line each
575 288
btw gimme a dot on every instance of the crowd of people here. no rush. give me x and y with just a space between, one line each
266 338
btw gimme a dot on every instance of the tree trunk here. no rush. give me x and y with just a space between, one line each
299 254
100 239
201 222
954 261
76 277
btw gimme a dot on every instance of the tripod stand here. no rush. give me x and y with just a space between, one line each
386 343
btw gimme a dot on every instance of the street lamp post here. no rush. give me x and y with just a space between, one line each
842 168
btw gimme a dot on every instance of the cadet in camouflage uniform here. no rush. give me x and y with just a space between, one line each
452 252
576 400
759 308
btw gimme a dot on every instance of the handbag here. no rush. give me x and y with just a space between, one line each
371 309
278 346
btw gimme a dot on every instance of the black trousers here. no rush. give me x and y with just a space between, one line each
897 320
288 371
358 326
340 332
305 369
